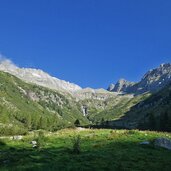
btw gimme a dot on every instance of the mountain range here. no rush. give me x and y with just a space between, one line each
32 99
152 81
38 77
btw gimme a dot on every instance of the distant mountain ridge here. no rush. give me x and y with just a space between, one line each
153 80
38 77
31 99
121 86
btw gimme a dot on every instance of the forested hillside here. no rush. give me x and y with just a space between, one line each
153 113
26 107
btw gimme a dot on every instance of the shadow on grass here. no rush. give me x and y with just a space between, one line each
109 155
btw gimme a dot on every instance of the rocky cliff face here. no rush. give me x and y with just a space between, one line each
153 80
38 77
111 87
121 86
94 94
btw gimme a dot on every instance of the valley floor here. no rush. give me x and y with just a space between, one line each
101 149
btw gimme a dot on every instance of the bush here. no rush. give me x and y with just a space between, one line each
77 123
12 130
76 145
40 139
2 143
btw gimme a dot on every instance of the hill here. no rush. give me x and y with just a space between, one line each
31 99
27 107
154 113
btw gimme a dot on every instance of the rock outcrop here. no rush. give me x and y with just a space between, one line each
96 94
152 81
121 86
163 142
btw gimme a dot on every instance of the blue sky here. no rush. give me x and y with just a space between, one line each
88 42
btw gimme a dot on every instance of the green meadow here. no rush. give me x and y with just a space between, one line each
99 150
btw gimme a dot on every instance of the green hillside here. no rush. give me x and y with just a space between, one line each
116 108
26 107
154 113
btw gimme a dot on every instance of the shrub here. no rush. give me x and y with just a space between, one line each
40 139
2 143
77 123
76 145
12 130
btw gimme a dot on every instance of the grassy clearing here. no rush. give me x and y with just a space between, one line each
99 150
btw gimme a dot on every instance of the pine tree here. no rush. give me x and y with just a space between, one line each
163 121
41 123
102 121
152 121
29 122
77 123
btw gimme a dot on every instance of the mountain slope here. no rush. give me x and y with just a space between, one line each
153 113
121 86
96 102
38 77
152 81
26 107
118 108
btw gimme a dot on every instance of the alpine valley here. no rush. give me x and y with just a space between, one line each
31 99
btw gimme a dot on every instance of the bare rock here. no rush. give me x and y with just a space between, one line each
153 80
34 144
17 137
145 143
163 142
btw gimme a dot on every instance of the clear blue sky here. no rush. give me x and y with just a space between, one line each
89 42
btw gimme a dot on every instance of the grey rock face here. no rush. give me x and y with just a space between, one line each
122 85
153 80
145 143
17 137
163 142
111 87
34 144
96 94
38 77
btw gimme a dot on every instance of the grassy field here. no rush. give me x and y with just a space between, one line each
100 150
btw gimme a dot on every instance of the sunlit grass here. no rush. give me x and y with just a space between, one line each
99 150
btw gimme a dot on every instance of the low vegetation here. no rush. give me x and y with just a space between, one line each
86 150
25 107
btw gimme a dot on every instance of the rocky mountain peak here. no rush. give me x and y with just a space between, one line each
38 77
111 87
120 86
153 80
6 64
158 72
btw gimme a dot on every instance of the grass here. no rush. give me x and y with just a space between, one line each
99 150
